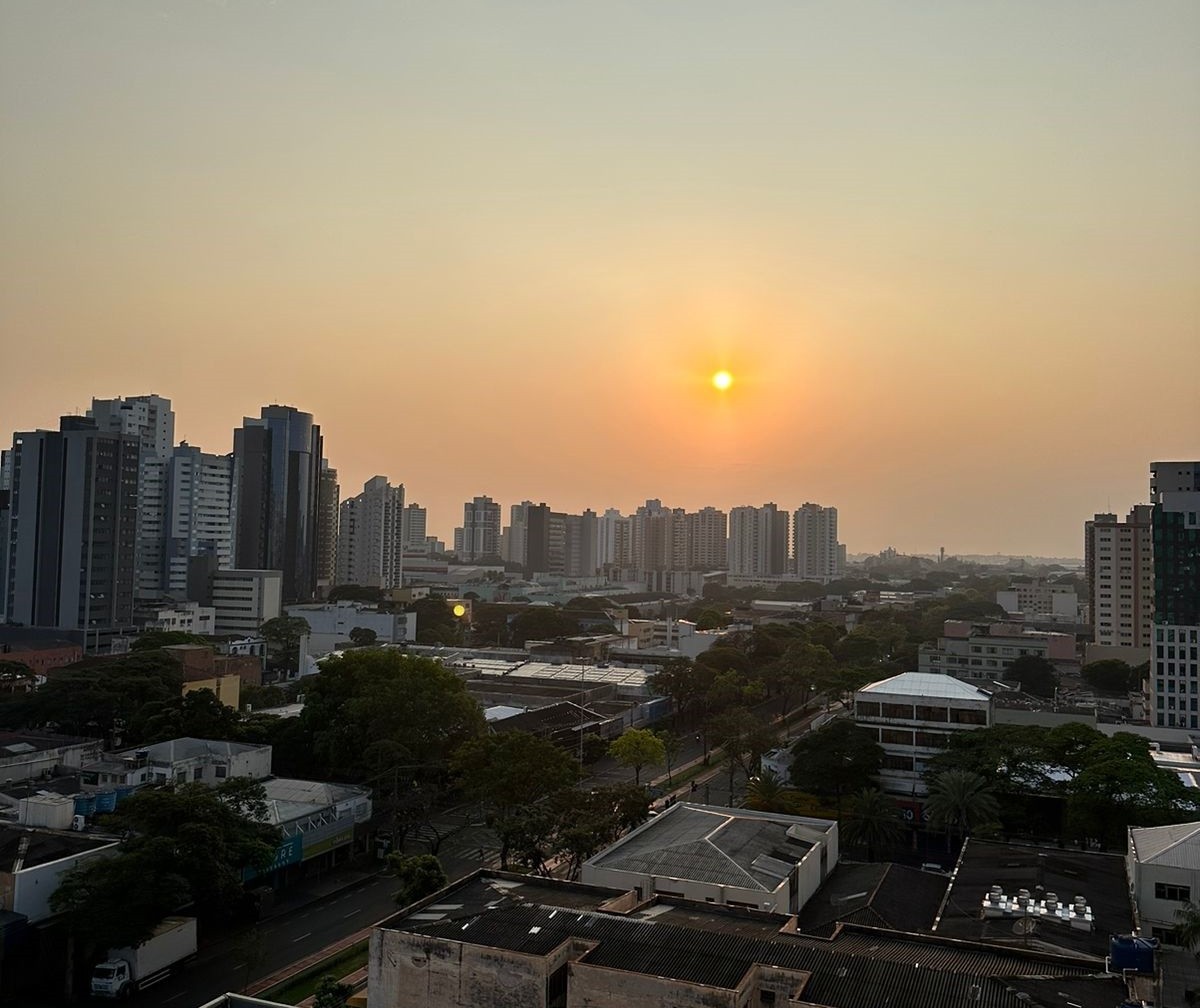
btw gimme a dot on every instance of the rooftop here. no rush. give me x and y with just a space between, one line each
881 895
927 684
722 846
21 743
189 748
1099 878
860 967
43 846
1177 846
289 799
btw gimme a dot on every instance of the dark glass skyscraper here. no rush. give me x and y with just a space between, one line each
73 513
276 487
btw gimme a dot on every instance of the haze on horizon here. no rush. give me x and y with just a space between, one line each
948 251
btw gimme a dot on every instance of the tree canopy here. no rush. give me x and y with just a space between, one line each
1035 674
186 843
637 748
1111 676
836 760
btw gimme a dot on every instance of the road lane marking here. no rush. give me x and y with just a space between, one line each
307 934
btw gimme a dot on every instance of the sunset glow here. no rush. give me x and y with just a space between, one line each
722 380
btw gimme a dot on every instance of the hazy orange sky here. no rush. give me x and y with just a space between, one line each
949 251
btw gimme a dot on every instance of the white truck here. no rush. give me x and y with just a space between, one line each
129 969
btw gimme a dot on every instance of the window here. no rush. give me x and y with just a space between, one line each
1174 893
222 772
766 997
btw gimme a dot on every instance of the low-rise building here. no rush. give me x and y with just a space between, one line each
911 715
330 625
984 651
179 760
40 658
245 599
24 755
731 857
33 862
190 617
1163 867
316 818
507 940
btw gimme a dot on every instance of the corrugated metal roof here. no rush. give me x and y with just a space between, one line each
927 684
1176 846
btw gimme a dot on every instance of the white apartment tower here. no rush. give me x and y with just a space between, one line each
413 529
708 546
1119 558
149 418
370 549
758 540
815 537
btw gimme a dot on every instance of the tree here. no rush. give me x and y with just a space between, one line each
283 635
363 637
540 623
1187 926
14 676
196 714
1111 676
373 709
510 774
710 619
419 875
185 843
960 802
1035 674
331 993
766 792
636 748
743 738
872 821
154 639
671 743
836 760
583 823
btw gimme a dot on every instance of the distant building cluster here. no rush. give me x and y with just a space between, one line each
108 526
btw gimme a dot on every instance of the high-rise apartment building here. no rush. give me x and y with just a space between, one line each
479 535
371 537
72 527
276 487
708 539
328 512
183 511
1119 560
815 542
1175 661
758 541
148 418
413 529
514 537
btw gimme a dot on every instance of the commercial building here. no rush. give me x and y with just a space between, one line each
816 551
1119 558
72 528
25 755
276 489
179 761
371 537
730 857
330 625
1175 661
911 715
191 617
33 863
984 651
498 939
245 599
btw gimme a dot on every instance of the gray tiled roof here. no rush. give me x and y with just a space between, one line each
715 845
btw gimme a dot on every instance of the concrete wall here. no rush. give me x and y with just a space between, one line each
600 987
33 887
412 971
1158 912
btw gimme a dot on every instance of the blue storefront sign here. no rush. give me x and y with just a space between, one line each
289 852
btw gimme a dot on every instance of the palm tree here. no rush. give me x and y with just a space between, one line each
1187 926
768 793
961 801
872 820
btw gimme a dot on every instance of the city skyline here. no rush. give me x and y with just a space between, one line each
947 253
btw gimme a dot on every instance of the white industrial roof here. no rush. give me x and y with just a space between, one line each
1177 846
927 684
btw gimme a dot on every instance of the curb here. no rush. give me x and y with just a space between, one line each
307 964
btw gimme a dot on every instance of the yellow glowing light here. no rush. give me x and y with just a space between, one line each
460 609
722 380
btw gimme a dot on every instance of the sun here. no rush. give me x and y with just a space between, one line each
722 380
